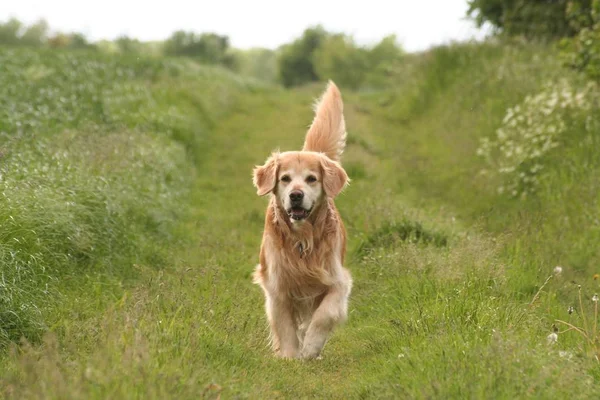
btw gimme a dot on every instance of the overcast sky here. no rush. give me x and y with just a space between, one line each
418 24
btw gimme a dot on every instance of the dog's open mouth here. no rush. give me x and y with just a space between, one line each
298 213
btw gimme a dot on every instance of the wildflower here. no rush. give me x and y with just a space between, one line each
552 338
557 270
570 310
565 354
530 130
596 276
595 298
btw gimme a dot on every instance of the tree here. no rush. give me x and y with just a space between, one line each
69 40
79 41
383 58
582 52
339 58
208 47
9 31
126 44
36 34
530 18
296 64
258 63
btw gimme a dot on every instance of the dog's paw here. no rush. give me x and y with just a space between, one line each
289 355
310 354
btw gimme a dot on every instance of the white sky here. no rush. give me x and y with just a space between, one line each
418 24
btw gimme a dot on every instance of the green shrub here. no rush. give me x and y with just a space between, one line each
341 59
402 231
533 129
208 48
256 63
582 52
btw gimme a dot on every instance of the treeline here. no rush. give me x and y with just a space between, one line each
14 32
315 56
574 24
321 55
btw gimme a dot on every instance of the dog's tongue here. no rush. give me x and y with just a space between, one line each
298 212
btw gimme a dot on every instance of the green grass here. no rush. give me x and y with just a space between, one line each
137 230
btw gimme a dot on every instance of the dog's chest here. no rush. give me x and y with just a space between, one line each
300 268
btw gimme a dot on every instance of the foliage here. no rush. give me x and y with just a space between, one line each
36 34
577 22
13 32
339 58
321 55
256 63
582 52
207 47
383 60
125 44
94 166
69 41
534 128
10 31
296 64
530 18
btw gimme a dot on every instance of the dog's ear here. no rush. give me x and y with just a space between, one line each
265 177
334 177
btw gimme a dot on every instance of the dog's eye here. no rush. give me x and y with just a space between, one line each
311 179
286 178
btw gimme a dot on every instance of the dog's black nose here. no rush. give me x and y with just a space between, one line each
296 196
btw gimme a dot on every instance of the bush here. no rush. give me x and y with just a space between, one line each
532 129
583 51
9 32
257 63
208 48
339 58
36 34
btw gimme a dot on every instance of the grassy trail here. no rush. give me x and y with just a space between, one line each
432 314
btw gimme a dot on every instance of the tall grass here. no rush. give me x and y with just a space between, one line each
96 161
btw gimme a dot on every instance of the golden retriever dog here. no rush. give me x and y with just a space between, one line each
304 241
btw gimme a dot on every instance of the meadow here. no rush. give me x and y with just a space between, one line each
129 228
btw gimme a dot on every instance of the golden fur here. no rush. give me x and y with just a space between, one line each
301 259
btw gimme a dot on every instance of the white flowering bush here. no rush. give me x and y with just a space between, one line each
531 130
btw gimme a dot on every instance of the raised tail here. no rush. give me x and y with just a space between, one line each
327 134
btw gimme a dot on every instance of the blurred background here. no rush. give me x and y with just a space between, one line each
351 43
265 39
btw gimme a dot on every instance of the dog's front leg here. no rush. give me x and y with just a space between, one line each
283 328
332 311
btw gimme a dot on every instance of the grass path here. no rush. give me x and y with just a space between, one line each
431 314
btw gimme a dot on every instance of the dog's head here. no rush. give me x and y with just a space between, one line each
300 180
